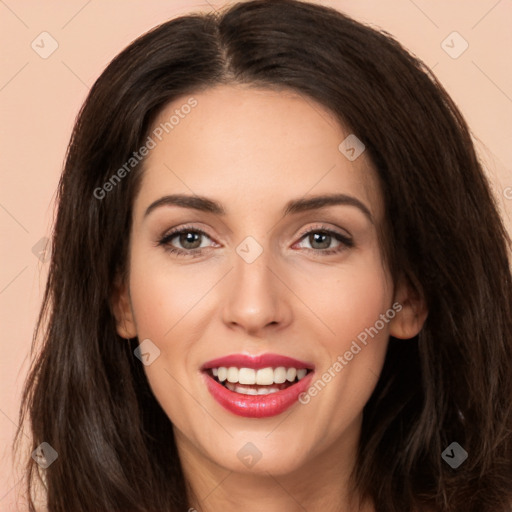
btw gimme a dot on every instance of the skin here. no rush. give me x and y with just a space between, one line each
253 150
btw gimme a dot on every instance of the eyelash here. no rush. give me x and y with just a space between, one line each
346 242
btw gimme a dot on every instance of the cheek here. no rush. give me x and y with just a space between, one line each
354 350
164 300
348 299
162 295
354 337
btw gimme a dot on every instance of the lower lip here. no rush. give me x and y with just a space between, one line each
257 406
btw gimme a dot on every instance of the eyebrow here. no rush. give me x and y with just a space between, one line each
205 204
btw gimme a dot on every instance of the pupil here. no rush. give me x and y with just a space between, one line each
315 239
186 239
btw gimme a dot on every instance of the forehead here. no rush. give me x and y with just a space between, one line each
243 145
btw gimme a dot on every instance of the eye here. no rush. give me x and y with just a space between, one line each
188 238
323 237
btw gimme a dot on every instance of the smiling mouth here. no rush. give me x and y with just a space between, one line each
265 381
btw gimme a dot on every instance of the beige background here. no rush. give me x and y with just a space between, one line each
40 97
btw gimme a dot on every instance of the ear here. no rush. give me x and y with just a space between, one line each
122 309
409 320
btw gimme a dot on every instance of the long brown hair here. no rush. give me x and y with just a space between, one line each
87 394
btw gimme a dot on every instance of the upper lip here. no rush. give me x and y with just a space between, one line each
257 361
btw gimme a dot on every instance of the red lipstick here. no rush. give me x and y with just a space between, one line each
256 362
257 406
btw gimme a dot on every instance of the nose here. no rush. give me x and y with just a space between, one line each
256 297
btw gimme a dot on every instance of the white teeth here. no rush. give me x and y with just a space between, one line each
262 377
247 391
250 391
232 374
291 373
222 373
267 391
247 376
280 375
265 376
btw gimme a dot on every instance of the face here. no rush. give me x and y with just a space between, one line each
262 275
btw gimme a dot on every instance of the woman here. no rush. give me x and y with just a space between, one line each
258 369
